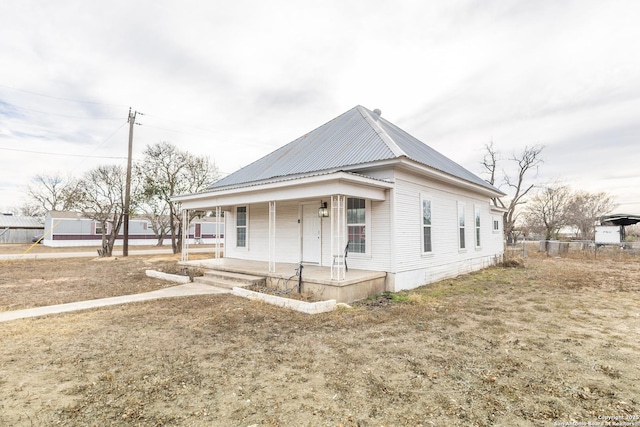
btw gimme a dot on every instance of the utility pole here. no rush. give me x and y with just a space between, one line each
127 194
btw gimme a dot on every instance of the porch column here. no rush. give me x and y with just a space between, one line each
272 236
185 235
338 237
217 249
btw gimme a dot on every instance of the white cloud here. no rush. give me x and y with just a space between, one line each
236 80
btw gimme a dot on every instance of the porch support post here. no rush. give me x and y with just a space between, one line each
272 236
218 219
185 235
338 237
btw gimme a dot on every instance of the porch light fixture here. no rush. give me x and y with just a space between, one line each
323 211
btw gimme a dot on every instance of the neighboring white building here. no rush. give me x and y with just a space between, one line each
403 208
68 229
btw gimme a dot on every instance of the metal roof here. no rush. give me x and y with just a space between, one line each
355 138
294 177
10 221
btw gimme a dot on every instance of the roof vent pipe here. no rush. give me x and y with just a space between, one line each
377 112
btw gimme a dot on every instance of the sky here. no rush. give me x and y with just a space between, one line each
235 80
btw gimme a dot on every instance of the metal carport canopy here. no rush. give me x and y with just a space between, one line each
621 219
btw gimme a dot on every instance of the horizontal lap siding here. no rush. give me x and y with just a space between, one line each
446 259
378 256
287 245
87 227
409 227
380 245
258 232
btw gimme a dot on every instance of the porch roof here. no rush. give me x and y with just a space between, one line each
292 188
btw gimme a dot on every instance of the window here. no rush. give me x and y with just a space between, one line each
356 225
461 225
241 227
496 225
426 226
99 228
477 224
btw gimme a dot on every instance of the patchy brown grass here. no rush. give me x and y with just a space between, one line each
554 341
38 282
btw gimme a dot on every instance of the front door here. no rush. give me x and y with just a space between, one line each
311 234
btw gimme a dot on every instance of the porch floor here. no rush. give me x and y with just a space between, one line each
358 284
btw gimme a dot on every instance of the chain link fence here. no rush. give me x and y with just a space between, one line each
576 248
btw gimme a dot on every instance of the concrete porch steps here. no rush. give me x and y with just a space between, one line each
229 280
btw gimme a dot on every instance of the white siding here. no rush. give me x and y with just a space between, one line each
378 256
413 268
380 237
77 232
394 242
287 234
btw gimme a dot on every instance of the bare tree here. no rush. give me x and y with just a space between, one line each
633 233
102 199
585 209
156 211
52 192
517 186
167 171
490 162
28 209
548 209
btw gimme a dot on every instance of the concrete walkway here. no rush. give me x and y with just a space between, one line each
172 292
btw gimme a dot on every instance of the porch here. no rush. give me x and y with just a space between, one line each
306 219
357 284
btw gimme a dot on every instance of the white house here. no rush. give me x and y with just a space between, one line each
71 229
403 208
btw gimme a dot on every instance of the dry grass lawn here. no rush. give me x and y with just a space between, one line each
554 342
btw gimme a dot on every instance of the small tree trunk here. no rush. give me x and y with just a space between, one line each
172 228
178 248
104 250
108 248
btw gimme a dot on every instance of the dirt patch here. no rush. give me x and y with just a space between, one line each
181 270
285 293
31 249
553 342
38 282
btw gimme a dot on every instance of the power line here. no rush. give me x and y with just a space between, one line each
63 115
103 142
61 98
87 156
61 154
177 122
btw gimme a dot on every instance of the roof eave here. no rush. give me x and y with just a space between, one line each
284 184
448 178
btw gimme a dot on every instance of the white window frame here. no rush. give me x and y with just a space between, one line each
425 198
97 229
496 225
477 226
461 226
245 226
367 228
